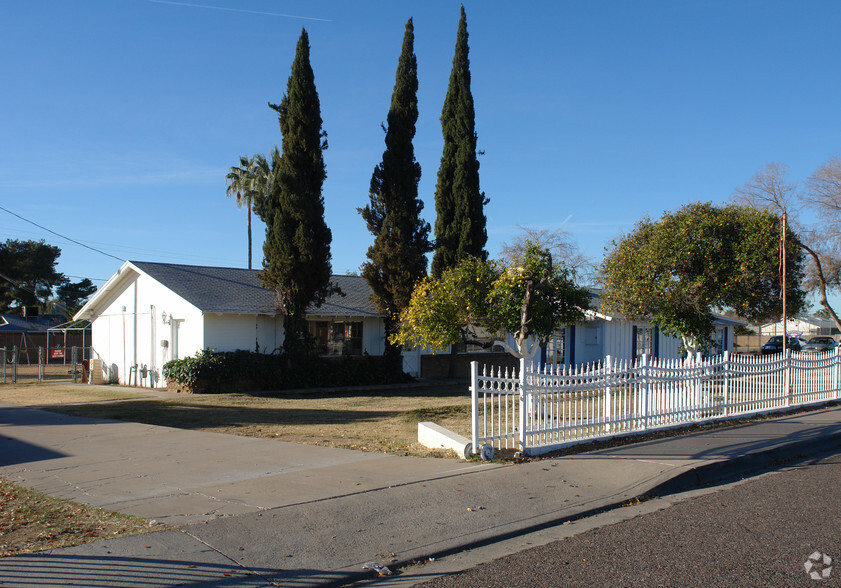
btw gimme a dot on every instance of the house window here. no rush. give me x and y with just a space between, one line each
556 348
480 340
643 341
719 342
339 338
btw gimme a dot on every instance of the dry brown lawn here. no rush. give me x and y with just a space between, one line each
41 395
382 420
31 521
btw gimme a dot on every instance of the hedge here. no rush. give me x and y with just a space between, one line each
214 372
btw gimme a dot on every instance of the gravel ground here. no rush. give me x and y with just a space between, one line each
757 533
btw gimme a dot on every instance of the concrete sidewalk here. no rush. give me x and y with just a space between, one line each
257 512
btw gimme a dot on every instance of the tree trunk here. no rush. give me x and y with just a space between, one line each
691 346
525 316
823 301
392 353
249 237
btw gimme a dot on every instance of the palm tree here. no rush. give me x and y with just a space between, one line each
248 182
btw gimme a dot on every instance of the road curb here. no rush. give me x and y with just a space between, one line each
729 470
718 473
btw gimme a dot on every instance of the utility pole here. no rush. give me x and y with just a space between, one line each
783 225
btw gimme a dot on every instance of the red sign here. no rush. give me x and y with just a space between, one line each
56 353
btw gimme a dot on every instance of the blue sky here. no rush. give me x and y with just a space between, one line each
120 118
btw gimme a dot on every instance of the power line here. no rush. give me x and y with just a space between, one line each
138 252
62 236
91 279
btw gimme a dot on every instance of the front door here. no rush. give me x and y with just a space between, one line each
173 338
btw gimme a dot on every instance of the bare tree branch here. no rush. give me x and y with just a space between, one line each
822 284
559 243
770 190
823 196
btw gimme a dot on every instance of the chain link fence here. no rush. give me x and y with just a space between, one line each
57 364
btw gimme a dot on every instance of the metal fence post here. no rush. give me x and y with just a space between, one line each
645 400
15 364
523 403
699 386
725 393
474 401
40 365
3 359
73 366
608 395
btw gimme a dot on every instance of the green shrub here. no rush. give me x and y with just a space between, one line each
206 366
238 371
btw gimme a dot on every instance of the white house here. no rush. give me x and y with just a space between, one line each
150 313
602 335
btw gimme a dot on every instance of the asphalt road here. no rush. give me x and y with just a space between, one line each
759 532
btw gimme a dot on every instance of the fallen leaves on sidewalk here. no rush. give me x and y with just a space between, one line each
31 521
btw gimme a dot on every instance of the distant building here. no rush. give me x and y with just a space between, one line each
806 326
30 332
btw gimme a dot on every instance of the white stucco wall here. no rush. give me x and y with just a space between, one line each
373 336
128 329
234 332
590 342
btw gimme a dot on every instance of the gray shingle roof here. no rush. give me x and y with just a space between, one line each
227 290
14 323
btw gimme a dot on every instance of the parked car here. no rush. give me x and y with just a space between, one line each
775 344
819 345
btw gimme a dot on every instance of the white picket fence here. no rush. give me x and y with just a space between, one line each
538 410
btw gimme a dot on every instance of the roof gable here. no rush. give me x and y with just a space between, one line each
223 290
213 289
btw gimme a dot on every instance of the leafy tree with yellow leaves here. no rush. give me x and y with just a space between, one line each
528 296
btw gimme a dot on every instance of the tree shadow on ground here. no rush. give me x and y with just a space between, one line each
190 416
458 390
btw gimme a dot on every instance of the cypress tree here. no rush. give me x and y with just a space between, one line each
460 221
296 251
397 259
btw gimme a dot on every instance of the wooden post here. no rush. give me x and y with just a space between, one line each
783 278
